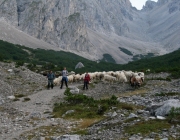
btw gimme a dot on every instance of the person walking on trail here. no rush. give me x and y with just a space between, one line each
50 77
86 80
64 78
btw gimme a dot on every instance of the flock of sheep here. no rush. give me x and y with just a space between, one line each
134 78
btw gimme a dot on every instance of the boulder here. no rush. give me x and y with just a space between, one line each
74 90
79 65
11 97
69 111
10 70
163 108
160 117
114 114
132 115
68 137
166 107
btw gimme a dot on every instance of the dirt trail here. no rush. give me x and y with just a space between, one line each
40 101
36 107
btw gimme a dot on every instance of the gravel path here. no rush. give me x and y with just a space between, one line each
40 101
31 114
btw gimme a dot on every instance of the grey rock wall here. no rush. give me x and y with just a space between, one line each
56 22
63 22
8 11
96 27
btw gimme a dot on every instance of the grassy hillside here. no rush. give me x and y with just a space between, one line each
166 63
56 60
50 59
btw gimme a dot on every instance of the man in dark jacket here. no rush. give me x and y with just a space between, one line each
51 78
86 80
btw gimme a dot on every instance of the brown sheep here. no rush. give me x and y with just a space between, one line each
136 81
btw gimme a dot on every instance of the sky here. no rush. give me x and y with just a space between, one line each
139 3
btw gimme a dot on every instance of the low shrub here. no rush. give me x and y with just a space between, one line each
26 99
146 127
83 106
19 95
167 94
174 115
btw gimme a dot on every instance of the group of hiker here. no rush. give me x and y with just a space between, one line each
64 73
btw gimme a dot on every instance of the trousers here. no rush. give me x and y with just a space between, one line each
64 79
85 84
50 84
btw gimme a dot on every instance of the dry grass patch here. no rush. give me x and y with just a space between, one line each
81 128
45 131
157 83
135 92
88 122
2 108
146 127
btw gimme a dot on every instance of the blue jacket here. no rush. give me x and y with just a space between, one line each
50 76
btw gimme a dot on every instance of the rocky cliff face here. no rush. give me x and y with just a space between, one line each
149 5
164 24
97 27
107 16
64 23
8 11
52 21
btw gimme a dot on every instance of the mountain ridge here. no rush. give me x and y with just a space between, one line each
93 28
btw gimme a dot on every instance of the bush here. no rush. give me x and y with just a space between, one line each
174 115
78 98
19 95
19 63
84 106
102 109
26 99
16 99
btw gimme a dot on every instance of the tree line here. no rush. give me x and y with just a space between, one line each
56 60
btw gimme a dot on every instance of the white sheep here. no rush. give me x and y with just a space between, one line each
128 74
70 78
141 74
109 78
82 76
110 73
135 74
57 81
100 75
121 77
77 77
92 75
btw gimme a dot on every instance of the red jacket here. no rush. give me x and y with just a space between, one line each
87 78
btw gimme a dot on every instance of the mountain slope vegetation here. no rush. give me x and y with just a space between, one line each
56 60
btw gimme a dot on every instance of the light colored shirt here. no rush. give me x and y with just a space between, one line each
64 73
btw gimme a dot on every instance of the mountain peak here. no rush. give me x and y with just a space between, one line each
149 5
94 28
